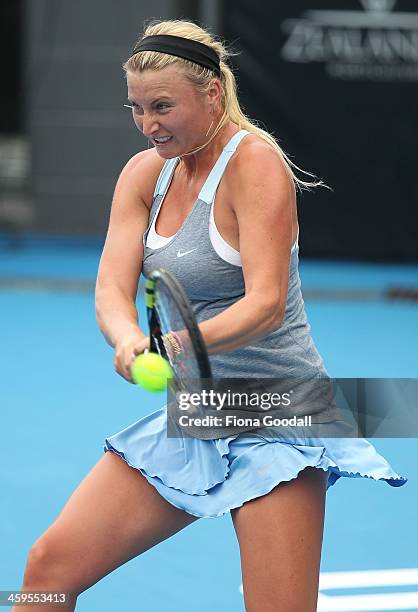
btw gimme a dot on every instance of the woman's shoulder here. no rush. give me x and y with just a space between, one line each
255 158
257 172
141 172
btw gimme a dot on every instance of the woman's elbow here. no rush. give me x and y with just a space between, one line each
273 315
97 304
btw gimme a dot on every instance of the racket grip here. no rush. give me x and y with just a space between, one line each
153 346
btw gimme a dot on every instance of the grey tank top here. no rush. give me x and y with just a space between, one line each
213 284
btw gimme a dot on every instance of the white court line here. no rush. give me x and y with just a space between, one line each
374 602
368 603
368 578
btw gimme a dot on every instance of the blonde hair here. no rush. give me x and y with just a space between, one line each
202 77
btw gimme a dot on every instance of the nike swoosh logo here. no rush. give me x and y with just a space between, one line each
183 253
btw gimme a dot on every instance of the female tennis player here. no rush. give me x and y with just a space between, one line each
214 202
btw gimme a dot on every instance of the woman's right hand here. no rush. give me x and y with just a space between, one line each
127 349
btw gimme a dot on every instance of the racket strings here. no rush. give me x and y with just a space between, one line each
175 334
176 338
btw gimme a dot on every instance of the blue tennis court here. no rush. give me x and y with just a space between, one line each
61 397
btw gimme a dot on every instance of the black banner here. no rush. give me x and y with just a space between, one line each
337 84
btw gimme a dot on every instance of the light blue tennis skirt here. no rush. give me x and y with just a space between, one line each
208 478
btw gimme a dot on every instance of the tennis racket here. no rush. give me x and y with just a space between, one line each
174 333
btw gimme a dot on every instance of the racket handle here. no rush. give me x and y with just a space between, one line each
153 345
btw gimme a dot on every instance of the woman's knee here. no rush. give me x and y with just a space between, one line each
49 567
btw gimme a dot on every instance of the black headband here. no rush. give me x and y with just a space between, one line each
181 47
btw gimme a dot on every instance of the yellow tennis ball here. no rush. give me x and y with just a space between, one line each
151 371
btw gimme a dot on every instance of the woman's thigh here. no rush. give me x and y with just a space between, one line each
113 516
280 539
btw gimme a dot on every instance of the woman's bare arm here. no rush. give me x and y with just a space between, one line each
263 198
121 260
